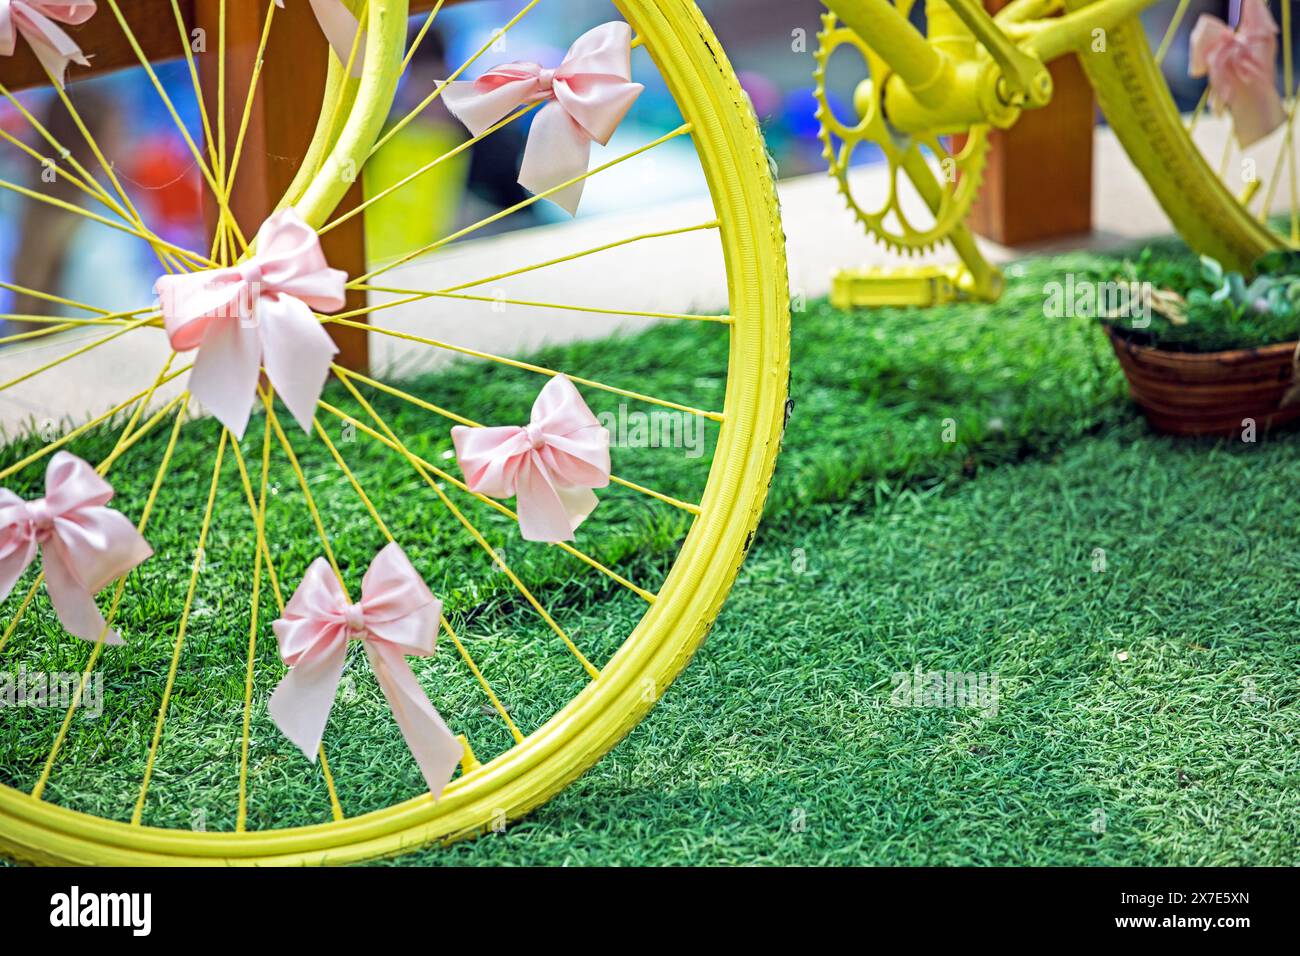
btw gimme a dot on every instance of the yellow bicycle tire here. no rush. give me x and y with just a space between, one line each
1138 106
737 169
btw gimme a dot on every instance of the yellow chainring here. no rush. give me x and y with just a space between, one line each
961 170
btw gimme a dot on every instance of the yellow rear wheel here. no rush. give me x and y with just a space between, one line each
1137 103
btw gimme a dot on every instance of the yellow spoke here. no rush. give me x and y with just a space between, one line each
490 502
473 531
254 509
114 318
219 164
208 173
571 257
1283 149
432 164
417 295
682 130
259 524
130 327
219 250
183 31
128 212
162 93
64 152
42 333
525 366
383 528
352 479
419 37
70 303
39 790
138 435
170 685
130 230
1171 31
305 486
85 180
93 423
336 808
22 610
482 681
657 495
58 147
247 115
461 420
437 92
96 193
311 499
530 304
57 325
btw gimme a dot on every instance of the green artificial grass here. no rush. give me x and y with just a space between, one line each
945 479
1147 714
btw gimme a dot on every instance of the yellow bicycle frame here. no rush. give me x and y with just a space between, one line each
936 86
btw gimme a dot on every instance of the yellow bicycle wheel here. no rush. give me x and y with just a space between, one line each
1219 203
549 653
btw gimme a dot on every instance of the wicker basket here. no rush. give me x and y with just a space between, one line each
1210 393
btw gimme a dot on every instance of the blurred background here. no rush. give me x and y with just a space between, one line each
770 42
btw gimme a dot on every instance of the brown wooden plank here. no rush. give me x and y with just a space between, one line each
424 6
153 24
103 39
1038 182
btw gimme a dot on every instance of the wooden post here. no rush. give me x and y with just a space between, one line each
284 113
280 129
1038 182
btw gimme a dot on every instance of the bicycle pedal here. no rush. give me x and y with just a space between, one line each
876 286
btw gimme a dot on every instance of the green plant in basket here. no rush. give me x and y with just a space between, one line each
1198 306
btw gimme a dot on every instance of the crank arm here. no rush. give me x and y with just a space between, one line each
932 90
1025 81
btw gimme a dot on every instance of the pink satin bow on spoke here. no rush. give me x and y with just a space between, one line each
551 464
589 95
83 544
35 20
397 616
1241 69
258 313
340 28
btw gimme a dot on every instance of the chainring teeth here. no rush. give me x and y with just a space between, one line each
959 190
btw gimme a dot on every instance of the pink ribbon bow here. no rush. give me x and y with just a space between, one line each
340 28
35 20
551 464
589 95
258 312
398 616
1240 66
83 544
